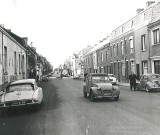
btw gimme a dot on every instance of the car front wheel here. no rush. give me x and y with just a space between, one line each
92 97
116 98
84 94
147 89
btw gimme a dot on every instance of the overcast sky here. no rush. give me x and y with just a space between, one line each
58 28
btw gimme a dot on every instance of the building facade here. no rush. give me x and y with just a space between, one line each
13 58
133 46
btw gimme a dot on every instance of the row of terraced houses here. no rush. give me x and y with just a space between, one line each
133 46
18 60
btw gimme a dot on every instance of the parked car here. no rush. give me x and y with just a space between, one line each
44 78
112 78
149 82
98 85
23 93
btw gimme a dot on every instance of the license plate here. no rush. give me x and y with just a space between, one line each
18 102
107 94
15 103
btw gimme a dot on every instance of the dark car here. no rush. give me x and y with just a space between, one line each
98 85
44 77
149 82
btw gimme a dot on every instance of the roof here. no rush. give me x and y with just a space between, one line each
101 44
31 81
16 37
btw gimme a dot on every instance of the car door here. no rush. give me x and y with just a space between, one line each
144 81
89 83
38 92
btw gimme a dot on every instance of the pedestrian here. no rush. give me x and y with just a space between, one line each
132 79
37 78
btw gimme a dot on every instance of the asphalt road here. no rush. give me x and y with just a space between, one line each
65 112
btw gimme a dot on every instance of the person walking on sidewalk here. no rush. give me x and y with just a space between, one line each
132 80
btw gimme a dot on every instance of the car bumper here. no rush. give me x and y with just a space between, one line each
19 105
106 95
156 89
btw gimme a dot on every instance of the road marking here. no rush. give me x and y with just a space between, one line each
86 131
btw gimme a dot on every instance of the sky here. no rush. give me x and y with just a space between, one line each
58 28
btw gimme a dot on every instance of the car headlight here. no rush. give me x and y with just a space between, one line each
99 88
114 88
2 104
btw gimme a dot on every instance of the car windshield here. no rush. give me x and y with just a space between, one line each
100 79
20 87
110 75
155 76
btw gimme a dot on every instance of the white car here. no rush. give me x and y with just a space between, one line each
21 93
112 78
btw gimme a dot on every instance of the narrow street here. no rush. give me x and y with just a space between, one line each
66 112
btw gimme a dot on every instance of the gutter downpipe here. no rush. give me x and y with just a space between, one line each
2 65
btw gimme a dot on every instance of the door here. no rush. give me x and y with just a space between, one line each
138 73
118 73
89 83
127 74
143 81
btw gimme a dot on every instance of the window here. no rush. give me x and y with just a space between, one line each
101 57
132 65
106 55
132 24
19 63
156 38
114 49
97 58
88 61
144 67
122 48
117 48
91 61
123 68
5 59
23 64
143 44
111 51
131 46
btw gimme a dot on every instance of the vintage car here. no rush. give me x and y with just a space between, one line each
21 93
44 78
149 82
98 85
112 78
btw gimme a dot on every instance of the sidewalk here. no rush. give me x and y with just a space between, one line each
123 84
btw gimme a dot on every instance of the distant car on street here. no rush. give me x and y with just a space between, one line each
98 85
149 82
44 77
112 78
24 93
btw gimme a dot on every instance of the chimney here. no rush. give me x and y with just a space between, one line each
139 10
25 39
9 30
148 3
2 25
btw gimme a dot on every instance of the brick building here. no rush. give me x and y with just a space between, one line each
133 46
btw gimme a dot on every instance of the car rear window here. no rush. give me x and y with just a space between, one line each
20 87
100 78
155 76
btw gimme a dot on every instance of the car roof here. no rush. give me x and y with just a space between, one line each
98 74
31 81
149 74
